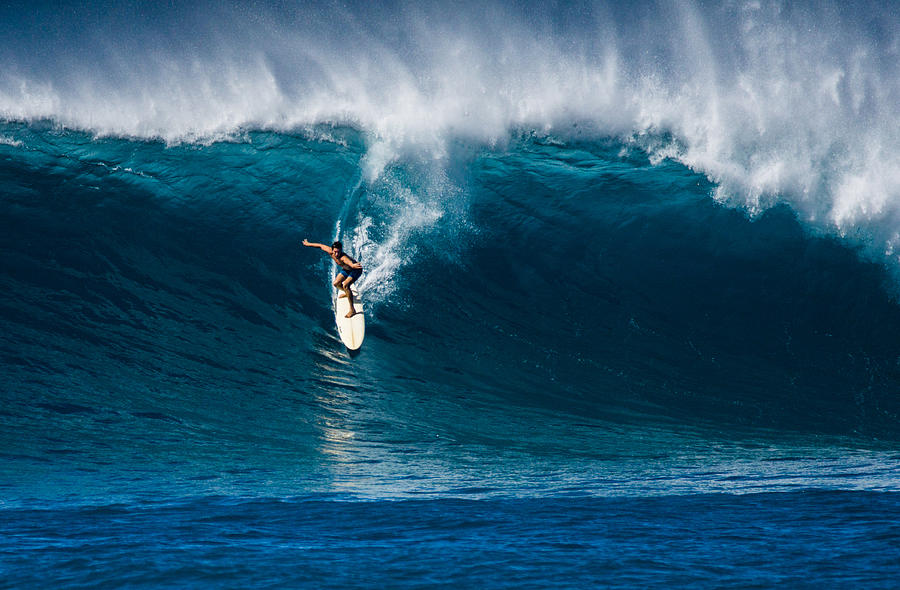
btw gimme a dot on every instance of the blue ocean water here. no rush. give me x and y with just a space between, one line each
631 295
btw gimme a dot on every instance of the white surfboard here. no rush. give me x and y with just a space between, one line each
352 330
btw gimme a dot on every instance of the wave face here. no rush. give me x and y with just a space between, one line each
583 239
157 306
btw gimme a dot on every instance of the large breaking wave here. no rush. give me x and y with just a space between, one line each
578 272
676 213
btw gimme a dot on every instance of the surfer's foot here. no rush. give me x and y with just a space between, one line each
341 295
350 314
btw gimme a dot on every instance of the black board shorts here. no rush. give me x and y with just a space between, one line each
355 273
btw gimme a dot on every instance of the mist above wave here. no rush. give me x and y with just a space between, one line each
772 101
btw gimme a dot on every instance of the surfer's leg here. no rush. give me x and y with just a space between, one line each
349 293
339 283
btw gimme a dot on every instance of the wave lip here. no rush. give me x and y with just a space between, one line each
775 104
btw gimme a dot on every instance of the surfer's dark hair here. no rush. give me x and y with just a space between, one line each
338 245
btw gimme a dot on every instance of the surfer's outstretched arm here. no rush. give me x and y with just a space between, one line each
322 247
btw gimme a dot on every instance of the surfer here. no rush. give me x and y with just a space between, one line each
348 269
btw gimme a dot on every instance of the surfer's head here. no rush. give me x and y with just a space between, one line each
337 247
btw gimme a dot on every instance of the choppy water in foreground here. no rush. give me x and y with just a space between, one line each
798 539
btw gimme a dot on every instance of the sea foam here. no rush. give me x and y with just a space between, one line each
776 103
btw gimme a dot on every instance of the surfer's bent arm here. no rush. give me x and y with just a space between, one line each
322 247
351 264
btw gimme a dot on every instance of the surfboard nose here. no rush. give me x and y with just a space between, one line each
352 330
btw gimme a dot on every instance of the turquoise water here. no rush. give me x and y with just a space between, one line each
630 297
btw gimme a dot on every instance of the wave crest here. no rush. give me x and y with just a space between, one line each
775 103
